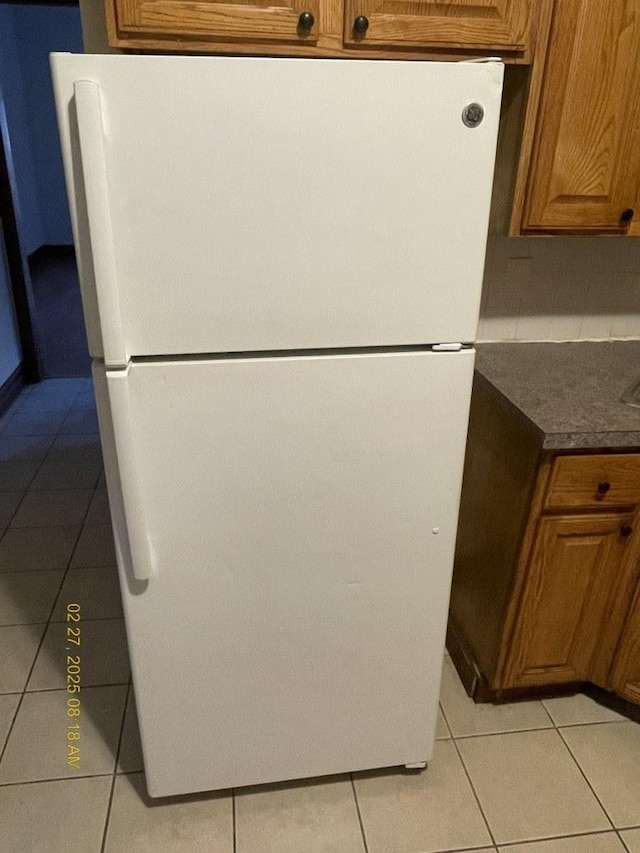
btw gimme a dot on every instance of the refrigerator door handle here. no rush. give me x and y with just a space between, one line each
92 153
139 544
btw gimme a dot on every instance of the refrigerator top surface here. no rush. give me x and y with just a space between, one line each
243 204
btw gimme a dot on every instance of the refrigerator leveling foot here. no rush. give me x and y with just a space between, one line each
419 765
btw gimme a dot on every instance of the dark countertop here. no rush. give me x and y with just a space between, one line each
567 394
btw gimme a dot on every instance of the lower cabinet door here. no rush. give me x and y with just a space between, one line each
625 677
574 600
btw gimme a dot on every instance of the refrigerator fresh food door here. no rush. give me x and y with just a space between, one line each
242 204
298 516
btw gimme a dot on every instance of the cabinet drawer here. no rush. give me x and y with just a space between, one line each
594 481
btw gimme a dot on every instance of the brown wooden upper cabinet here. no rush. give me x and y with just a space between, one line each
585 167
500 25
293 21
392 28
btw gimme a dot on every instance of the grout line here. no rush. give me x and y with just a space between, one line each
538 729
115 769
584 776
84 686
46 629
57 489
54 779
548 713
3 746
473 789
107 816
93 618
63 689
360 821
233 819
63 568
446 722
69 561
544 839
623 842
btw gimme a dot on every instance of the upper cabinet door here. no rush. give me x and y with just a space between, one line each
500 25
586 157
265 20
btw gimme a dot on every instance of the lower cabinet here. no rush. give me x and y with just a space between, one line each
625 677
569 617
546 587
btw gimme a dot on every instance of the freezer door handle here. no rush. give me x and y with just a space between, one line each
92 153
139 544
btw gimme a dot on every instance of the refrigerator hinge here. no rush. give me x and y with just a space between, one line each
455 347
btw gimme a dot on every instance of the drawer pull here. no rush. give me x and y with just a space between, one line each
603 488
626 530
361 25
306 21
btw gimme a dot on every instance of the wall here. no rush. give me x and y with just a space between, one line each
41 29
10 355
27 35
561 288
12 86
94 27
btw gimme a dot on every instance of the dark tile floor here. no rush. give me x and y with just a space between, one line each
58 321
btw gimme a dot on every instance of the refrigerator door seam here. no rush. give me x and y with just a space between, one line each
328 352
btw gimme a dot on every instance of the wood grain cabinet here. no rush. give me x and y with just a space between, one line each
487 24
568 618
288 21
387 28
584 173
546 584
625 676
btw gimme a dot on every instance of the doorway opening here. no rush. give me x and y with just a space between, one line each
37 239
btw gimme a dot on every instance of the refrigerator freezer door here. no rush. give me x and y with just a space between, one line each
301 516
241 204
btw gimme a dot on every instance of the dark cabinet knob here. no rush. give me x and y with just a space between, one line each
627 215
306 20
625 530
361 25
603 488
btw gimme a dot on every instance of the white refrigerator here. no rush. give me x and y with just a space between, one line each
281 264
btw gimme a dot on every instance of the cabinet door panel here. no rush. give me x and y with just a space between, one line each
586 160
266 20
499 24
573 605
626 671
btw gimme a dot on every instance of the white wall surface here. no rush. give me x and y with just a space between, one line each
561 288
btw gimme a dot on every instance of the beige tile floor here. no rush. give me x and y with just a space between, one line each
559 776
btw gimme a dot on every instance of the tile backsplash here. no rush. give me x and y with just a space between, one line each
561 289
